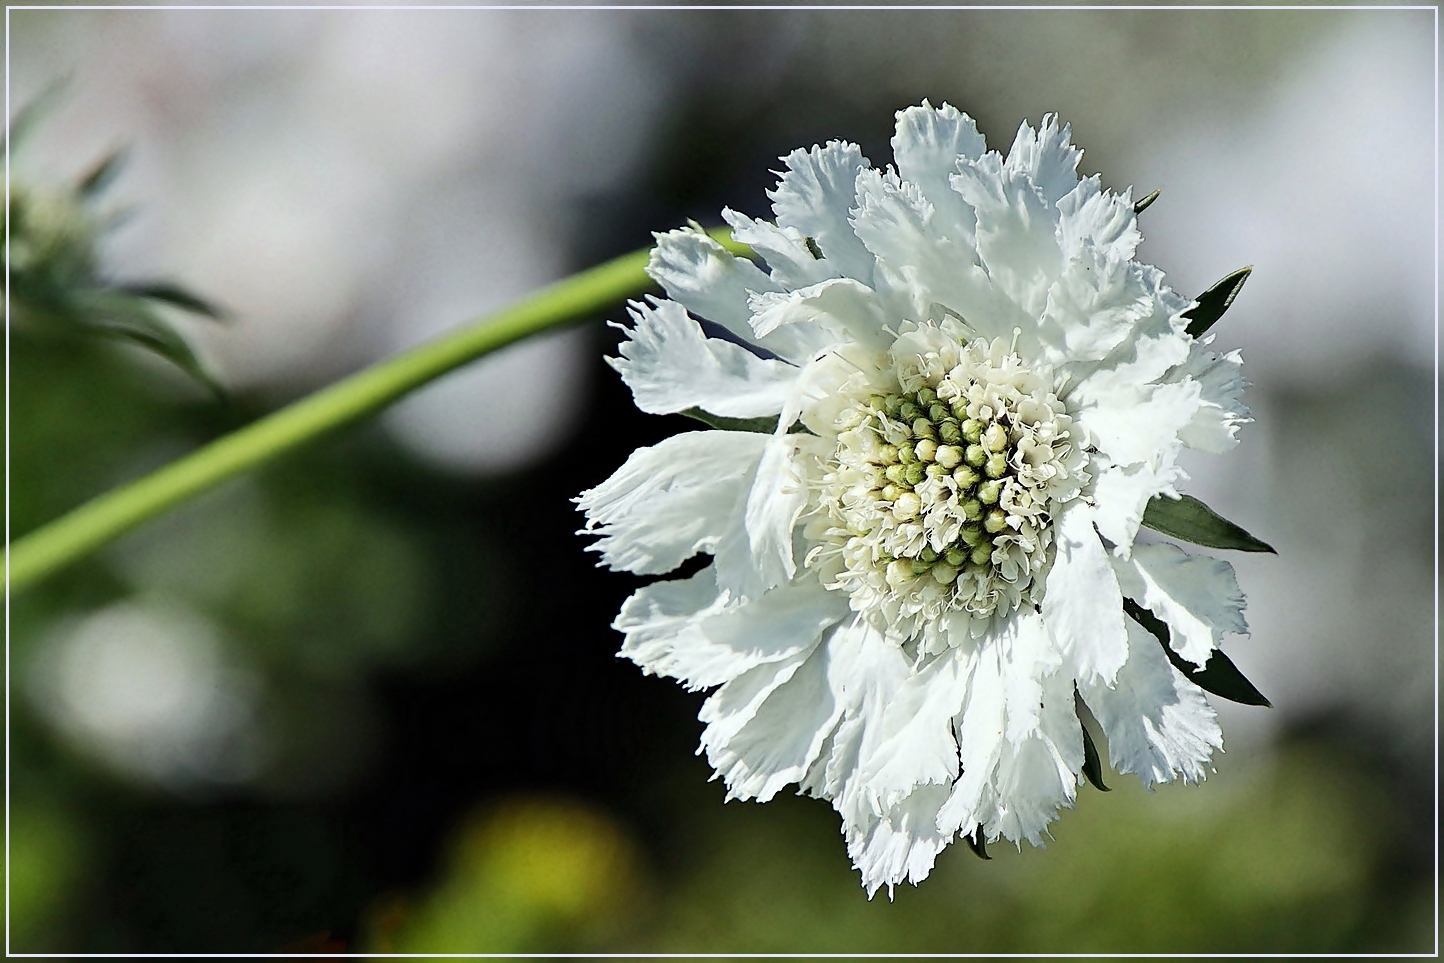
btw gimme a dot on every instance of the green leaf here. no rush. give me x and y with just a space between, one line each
1215 301
1147 202
1092 762
119 313
1219 675
176 296
161 340
976 844
1189 519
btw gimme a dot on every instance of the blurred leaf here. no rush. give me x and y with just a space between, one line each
1219 675
46 862
169 345
101 175
117 314
176 296
27 117
1188 518
1215 301
530 875
57 287
1147 202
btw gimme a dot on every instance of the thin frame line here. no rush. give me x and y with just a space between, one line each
719 7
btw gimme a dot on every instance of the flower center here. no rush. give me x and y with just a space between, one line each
940 493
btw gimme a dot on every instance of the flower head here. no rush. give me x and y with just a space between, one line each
921 572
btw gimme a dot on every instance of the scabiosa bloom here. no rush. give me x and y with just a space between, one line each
920 571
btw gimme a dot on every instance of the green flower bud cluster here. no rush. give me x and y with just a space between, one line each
938 439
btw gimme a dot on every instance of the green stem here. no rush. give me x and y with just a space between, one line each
95 523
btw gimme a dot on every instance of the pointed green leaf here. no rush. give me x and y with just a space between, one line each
1147 202
1191 520
169 345
176 296
119 315
1219 675
1215 301
1092 762
976 844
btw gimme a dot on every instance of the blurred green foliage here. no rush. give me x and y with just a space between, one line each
527 875
59 290
47 861
1253 861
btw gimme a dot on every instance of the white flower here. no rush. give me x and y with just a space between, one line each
913 580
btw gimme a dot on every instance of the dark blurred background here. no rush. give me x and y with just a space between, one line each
366 699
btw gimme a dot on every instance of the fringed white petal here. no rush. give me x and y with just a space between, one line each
900 844
671 366
712 283
1221 411
673 500
1092 307
843 684
894 220
783 733
981 737
661 619
1121 495
1138 424
790 261
1028 657
841 307
1089 215
912 743
1016 239
776 499
690 630
1158 724
1020 740
729 710
1155 344
865 672
1082 605
814 196
1196 595
1047 157
1038 774
707 279
926 147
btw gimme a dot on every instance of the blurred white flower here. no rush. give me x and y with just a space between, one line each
976 392
146 688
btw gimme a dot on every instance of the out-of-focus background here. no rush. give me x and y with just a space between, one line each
366 699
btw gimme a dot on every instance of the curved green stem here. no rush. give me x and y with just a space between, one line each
85 529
